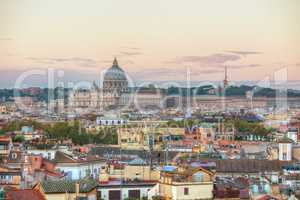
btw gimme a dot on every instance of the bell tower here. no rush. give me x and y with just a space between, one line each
225 82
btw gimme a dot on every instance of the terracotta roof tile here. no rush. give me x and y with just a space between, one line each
27 194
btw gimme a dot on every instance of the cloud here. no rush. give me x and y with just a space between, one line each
171 72
131 48
122 62
130 53
214 59
244 53
210 71
243 66
79 61
107 62
157 73
213 62
5 39
70 77
134 48
125 62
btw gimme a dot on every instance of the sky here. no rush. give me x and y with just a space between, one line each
157 40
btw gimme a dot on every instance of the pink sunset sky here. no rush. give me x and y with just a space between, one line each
152 39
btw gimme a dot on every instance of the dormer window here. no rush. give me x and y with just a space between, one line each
14 155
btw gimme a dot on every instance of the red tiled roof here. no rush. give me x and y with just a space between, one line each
53 173
27 194
4 139
266 197
61 157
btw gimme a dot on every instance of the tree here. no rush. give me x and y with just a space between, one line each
254 128
19 138
78 135
18 124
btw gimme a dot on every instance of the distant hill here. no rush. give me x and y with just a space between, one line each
258 91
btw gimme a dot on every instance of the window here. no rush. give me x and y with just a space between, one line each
284 156
134 194
198 177
99 196
14 156
186 191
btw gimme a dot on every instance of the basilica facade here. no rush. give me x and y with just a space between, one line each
114 84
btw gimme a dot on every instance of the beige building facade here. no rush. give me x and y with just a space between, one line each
186 184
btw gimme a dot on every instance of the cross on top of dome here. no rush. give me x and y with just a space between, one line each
115 63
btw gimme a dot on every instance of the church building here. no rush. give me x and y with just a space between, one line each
113 85
115 92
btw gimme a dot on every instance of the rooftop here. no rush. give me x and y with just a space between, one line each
27 194
248 165
61 157
4 139
285 140
63 186
118 183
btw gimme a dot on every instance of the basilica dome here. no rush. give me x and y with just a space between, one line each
115 79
